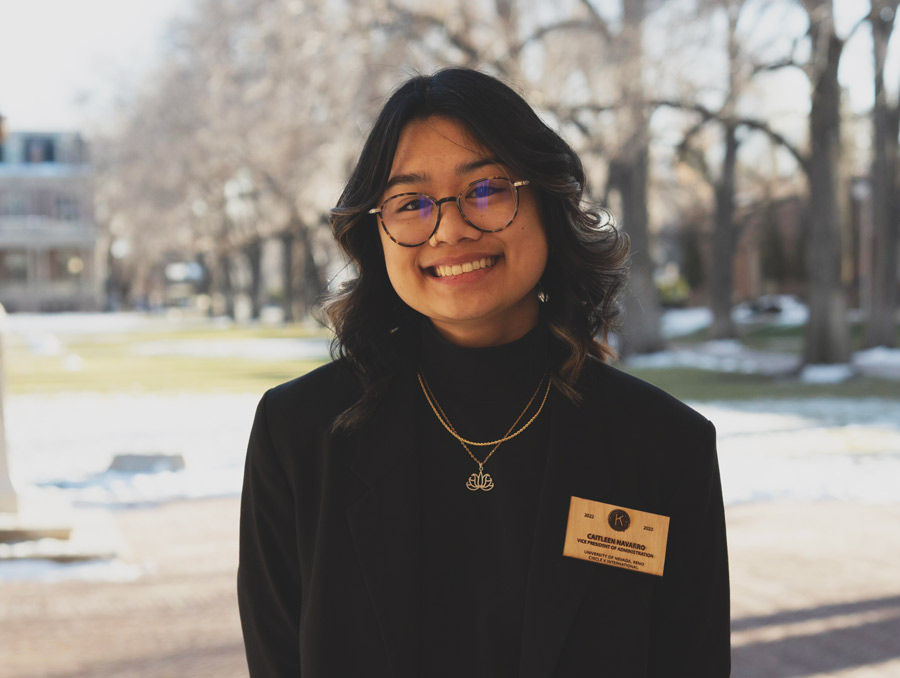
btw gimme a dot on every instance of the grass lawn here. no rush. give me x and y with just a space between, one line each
108 362
777 338
692 384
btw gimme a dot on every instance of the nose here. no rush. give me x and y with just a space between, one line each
451 226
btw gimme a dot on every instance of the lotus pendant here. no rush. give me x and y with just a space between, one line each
480 481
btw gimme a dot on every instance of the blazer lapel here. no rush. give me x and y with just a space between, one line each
556 584
384 523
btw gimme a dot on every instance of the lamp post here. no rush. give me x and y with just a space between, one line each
9 502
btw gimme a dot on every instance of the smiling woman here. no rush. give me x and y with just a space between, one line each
468 489
476 286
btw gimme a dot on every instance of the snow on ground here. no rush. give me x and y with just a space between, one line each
777 309
678 322
66 443
729 355
28 324
826 374
725 355
806 449
61 447
49 571
247 349
878 362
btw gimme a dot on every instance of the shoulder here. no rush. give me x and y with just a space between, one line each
631 397
311 400
659 439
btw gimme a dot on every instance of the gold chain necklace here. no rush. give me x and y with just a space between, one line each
482 480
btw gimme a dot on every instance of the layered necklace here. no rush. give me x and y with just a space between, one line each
482 480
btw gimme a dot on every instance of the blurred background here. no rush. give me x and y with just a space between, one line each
166 169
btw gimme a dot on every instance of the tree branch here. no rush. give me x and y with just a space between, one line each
597 21
454 38
710 115
568 25
777 65
859 24
787 62
761 126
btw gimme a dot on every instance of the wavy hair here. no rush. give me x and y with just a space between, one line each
586 267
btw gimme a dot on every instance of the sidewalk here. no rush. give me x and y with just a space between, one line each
815 592
178 620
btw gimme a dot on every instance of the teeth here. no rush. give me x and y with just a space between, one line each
468 267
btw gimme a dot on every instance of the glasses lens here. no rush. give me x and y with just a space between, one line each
489 204
409 218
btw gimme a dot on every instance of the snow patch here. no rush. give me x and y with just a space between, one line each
718 356
248 349
808 449
678 322
112 570
878 362
795 449
826 374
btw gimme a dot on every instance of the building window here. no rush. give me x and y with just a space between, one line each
66 264
14 204
13 266
44 203
67 208
39 149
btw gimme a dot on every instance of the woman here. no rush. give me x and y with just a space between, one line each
469 489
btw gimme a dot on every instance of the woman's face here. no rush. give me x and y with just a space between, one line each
482 307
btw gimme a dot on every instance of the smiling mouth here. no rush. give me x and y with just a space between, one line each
459 269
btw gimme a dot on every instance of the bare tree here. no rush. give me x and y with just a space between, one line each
881 319
500 38
724 235
827 334
249 119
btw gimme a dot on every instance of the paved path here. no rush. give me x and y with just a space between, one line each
179 620
815 592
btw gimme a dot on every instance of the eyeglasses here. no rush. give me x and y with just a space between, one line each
489 205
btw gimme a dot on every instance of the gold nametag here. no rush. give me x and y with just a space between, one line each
617 536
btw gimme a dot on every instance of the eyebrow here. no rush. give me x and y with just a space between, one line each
461 170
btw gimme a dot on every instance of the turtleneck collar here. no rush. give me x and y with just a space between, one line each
481 372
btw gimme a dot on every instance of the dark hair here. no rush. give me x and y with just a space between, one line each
586 266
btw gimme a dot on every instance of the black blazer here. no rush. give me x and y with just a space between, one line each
328 572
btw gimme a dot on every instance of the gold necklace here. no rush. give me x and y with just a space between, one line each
482 480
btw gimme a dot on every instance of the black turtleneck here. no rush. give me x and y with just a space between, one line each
476 545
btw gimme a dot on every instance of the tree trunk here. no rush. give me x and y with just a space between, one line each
253 252
312 282
287 273
724 238
722 265
629 174
827 335
226 284
881 322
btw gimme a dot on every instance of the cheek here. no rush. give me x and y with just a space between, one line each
537 249
400 265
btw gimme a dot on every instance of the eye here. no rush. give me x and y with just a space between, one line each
485 188
413 203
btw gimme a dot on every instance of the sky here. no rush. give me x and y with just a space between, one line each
63 62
